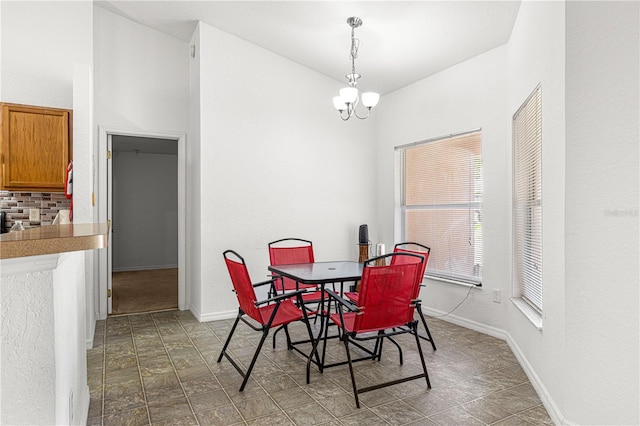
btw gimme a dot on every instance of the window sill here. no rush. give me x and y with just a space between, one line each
451 281
529 312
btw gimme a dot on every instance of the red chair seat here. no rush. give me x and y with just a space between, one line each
287 313
351 295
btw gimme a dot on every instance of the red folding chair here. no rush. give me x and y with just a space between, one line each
421 250
275 311
385 308
290 251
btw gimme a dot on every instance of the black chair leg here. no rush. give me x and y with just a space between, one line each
265 333
353 377
377 349
233 329
286 333
424 323
274 335
424 365
314 351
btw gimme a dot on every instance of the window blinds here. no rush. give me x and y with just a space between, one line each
438 203
527 200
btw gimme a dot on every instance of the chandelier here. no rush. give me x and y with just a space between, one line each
349 97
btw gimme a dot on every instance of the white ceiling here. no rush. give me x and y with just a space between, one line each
401 41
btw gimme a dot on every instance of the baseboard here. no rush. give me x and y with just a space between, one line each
214 316
545 397
467 323
143 268
92 333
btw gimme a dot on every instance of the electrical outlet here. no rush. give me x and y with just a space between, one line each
496 295
34 215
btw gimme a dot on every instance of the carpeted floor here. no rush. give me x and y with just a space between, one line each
144 291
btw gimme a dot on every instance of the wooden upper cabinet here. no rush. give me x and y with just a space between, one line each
35 148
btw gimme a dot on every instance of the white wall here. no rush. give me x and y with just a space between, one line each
37 57
141 76
537 55
275 162
145 211
602 200
467 96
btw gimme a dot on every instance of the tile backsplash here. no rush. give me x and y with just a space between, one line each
16 205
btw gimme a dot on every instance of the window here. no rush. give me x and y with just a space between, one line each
438 203
527 201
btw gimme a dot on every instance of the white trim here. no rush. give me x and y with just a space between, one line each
547 400
466 323
30 264
528 311
103 132
452 281
215 316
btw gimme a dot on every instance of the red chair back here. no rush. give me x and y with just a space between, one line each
387 293
290 251
242 285
424 252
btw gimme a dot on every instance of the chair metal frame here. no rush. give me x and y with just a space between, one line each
392 326
264 327
424 251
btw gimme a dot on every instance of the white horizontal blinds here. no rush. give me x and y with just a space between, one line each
527 199
441 203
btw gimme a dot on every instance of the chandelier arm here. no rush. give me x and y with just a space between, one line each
366 116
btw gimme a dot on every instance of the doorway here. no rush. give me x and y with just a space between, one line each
144 227
141 194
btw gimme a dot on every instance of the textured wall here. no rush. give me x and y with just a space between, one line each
602 172
43 357
27 357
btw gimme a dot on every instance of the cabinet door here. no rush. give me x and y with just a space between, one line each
35 148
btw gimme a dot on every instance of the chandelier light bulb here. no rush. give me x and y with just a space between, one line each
349 94
370 99
339 104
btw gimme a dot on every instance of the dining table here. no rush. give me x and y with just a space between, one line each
321 274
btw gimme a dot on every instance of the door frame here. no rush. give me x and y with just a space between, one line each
104 188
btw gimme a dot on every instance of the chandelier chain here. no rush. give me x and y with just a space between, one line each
355 44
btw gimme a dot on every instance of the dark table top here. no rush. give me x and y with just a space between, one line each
320 272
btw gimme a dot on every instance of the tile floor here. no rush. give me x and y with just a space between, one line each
161 369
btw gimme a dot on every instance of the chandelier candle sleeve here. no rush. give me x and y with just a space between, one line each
349 97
